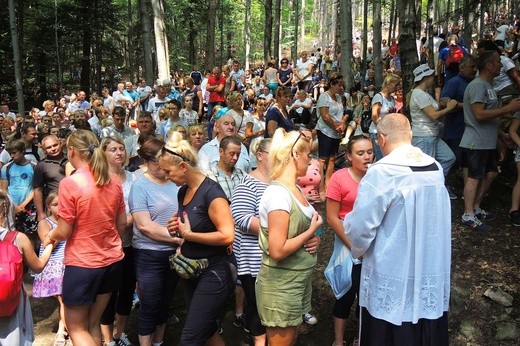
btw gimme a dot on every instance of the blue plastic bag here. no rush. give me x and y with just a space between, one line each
339 269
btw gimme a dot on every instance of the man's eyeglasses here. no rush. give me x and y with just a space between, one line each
297 139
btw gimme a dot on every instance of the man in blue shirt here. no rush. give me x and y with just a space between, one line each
454 89
133 95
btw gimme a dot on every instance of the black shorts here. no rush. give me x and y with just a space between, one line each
81 285
327 147
478 162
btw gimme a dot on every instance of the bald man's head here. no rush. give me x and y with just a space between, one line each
395 129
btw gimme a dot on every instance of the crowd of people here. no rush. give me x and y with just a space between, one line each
220 179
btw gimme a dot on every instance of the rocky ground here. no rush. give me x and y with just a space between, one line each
480 263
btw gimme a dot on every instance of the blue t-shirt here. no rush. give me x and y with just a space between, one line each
274 114
454 122
20 180
160 200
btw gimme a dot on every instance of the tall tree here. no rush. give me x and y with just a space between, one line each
87 15
17 61
407 45
377 35
161 40
247 32
277 29
210 34
268 30
129 40
146 34
365 32
296 10
346 42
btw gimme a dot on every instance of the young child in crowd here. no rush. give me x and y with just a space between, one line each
187 113
48 282
16 179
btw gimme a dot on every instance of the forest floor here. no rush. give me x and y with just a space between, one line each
479 262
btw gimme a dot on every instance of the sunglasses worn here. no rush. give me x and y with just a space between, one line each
297 139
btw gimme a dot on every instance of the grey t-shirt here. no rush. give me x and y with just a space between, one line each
422 125
160 200
481 135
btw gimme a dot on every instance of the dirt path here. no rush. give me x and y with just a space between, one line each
479 261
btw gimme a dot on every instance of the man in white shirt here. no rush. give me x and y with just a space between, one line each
144 92
209 153
6 112
156 103
118 129
405 278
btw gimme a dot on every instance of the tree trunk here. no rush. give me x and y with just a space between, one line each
87 15
418 19
146 34
296 10
346 42
17 60
268 27
392 18
378 63
59 73
210 34
161 40
323 15
192 39
334 23
431 14
98 53
277 29
365 33
130 44
407 45
302 20
470 11
247 32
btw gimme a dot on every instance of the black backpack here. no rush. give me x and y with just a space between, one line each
366 120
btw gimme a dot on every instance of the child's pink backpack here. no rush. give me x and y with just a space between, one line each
11 275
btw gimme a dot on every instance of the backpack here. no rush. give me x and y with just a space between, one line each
366 120
455 55
11 275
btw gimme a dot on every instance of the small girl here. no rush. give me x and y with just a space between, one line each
48 282
187 113
17 329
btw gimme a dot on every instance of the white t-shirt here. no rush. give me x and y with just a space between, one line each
387 107
304 68
503 80
307 102
501 32
241 121
335 112
422 125
277 197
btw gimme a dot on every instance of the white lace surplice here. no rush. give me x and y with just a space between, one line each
401 224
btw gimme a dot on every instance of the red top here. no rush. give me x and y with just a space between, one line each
92 211
215 96
343 189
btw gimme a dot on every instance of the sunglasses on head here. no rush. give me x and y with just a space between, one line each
165 150
301 134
